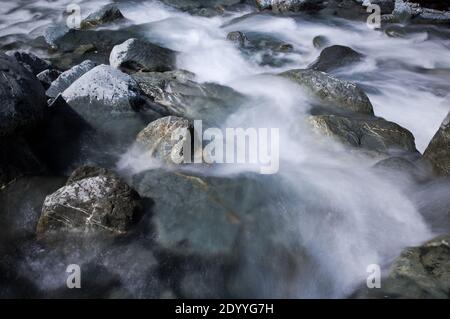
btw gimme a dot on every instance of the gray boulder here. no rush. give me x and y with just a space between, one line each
93 199
370 133
335 57
22 96
112 103
138 55
104 90
422 12
289 5
330 90
182 96
438 151
68 77
104 15
204 216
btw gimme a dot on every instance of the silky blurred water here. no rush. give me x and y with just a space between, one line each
362 217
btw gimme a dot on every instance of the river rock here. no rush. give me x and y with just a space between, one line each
289 5
165 138
93 199
339 93
48 76
438 151
22 97
370 133
238 38
138 55
113 104
31 62
105 14
197 215
182 96
335 57
418 273
68 77
421 12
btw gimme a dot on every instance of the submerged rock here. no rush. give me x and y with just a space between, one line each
438 151
196 215
238 38
68 77
182 96
335 57
331 90
22 97
137 55
94 199
320 41
371 133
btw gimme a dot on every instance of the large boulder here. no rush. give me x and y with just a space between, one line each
138 55
438 151
204 216
68 77
93 199
370 133
22 96
330 90
419 272
335 57
178 92
113 104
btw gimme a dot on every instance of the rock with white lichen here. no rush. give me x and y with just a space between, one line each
93 199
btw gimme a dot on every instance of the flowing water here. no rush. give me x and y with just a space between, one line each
363 217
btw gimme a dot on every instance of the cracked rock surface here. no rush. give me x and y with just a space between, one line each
93 199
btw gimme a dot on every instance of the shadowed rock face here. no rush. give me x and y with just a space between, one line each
438 151
22 97
94 199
